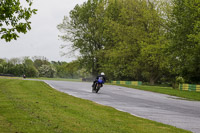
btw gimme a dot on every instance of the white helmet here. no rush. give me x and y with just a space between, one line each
102 73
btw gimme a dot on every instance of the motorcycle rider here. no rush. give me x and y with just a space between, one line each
101 77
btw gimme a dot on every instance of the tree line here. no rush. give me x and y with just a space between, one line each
154 41
41 67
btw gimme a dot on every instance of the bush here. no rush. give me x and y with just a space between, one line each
179 80
47 71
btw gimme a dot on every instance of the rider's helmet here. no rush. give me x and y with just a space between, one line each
102 73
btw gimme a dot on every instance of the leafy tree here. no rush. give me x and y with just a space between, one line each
1 68
14 18
15 61
8 68
28 62
40 61
29 68
2 64
19 70
67 70
47 71
123 38
1 61
135 41
85 30
72 69
152 59
30 71
60 68
83 73
185 33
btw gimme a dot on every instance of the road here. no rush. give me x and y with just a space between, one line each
157 107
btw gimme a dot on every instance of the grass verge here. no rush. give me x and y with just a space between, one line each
33 106
58 79
167 90
44 78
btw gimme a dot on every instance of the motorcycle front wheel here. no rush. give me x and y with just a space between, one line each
98 88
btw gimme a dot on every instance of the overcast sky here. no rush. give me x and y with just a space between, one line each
42 39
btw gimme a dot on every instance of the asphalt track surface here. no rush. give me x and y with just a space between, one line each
157 107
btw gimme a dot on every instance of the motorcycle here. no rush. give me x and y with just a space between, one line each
97 86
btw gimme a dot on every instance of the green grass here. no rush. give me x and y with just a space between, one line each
168 90
44 78
33 106
58 79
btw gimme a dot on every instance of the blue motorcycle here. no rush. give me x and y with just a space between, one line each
97 85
